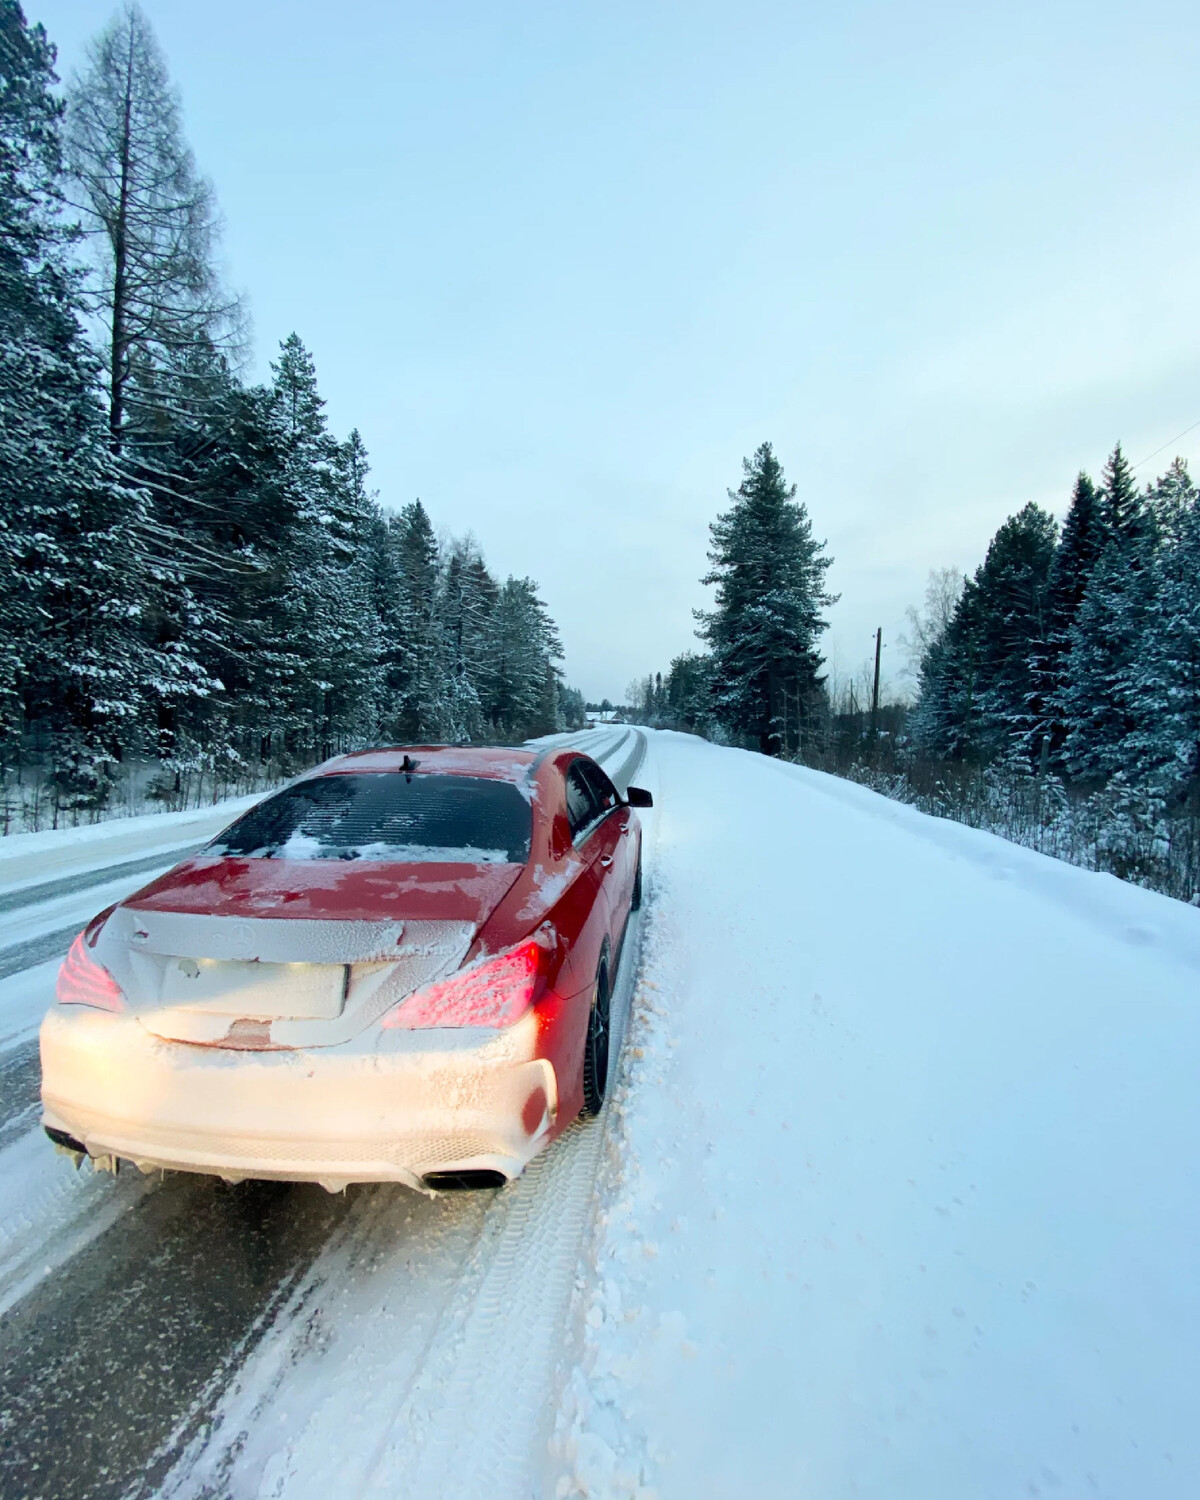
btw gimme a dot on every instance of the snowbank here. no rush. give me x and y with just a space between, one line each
901 1198
28 857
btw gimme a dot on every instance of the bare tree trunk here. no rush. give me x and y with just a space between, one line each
120 339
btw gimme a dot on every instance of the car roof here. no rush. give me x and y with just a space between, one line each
491 762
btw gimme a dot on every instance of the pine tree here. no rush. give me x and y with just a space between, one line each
769 574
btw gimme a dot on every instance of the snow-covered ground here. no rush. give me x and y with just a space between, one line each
901 1199
26 858
896 1197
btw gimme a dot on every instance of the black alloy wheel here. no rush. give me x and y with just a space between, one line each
595 1048
635 900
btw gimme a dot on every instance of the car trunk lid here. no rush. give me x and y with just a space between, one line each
260 954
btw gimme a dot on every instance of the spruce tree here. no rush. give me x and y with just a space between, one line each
769 574
525 649
1101 663
1172 500
325 611
1162 685
688 691
1013 587
412 645
1122 507
45 373
462 641
945 723
1078 551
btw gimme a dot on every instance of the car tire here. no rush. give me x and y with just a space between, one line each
635 900
596 1045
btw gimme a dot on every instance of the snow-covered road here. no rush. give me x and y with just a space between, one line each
896 1197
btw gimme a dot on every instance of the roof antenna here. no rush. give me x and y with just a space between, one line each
409 765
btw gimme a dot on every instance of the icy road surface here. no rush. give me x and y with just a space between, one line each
896 1197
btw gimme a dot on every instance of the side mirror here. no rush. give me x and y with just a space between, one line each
637 796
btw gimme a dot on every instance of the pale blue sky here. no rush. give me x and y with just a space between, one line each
563 267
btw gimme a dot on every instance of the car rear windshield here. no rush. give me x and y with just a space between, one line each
387 815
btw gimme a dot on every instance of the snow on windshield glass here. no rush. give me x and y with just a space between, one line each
387 815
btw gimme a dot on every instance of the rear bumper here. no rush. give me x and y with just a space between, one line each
390 1107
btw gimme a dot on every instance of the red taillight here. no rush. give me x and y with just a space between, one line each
83 981
492 992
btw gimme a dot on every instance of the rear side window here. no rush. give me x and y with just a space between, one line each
387 815
606 794
582 807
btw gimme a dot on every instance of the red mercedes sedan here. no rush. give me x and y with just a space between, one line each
396 969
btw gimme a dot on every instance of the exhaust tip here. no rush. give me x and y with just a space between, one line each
67 1142
460 1182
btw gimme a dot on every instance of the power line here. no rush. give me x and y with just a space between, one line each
1165 446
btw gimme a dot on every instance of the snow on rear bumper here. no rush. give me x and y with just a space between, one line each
389 1107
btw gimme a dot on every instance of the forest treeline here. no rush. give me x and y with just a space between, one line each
1058 695
1059 692
195 574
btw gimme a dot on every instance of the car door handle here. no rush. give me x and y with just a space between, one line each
606 860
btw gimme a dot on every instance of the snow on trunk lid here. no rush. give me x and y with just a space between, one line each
196 978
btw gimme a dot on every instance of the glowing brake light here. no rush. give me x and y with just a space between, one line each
84 981
491 992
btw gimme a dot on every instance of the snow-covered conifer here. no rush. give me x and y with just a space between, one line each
1096 698
73 572
1161 686
1075 558
769 572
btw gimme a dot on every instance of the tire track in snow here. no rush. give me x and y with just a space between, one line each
471 1424
422 1353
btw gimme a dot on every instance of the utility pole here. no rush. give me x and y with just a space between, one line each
875 692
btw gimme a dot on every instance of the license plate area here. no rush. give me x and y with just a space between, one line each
231 987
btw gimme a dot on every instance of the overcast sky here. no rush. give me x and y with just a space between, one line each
563 266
